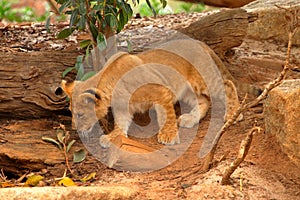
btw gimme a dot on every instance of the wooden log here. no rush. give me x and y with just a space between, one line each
222 30
222 3
22 149
29 83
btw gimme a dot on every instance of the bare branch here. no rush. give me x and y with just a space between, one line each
244 148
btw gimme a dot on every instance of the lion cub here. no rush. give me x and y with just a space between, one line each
182 70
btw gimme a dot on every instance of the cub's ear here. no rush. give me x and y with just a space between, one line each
91 95
95 92
67 87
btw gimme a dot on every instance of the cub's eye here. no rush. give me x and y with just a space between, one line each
89 100
79 116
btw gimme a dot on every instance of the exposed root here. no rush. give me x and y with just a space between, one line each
244 148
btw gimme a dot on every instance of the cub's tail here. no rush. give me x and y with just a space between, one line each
247 88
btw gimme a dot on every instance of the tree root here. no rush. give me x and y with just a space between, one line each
244 148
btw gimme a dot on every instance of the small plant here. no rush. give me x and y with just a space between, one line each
18 14
63 143
102 19
79 69
190 7
159 8
154 7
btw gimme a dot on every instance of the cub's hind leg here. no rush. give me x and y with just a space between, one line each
200 106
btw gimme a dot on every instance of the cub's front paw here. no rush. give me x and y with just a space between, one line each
168 139
106 140
187 121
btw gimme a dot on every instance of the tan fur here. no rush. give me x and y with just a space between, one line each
90 100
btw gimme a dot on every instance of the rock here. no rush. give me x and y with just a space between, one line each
70 193
271 23
282 117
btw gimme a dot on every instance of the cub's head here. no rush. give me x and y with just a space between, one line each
86 105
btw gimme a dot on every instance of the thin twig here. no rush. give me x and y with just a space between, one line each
65 151
66 158
2 175
244 148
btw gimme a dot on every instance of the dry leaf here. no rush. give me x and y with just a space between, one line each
89 177
6 185
66 181
33 180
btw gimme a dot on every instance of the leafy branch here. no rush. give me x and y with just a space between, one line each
102 19
63 143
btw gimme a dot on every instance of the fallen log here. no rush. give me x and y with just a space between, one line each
222 30
29 83
222 3
22 147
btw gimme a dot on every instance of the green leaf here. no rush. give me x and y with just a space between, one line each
128 10
97 7
61 1
88 75
112 21
53 141
68 70
87 53
60 136
93 30
47 25
82 8
79 59
79 156
74 18
81 23
64 5
126 14
85 43
78 66
65 33
101 42
164 3
70 145
129 46
151 7
123 18
80 72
